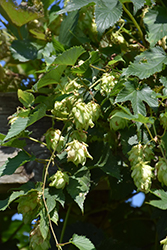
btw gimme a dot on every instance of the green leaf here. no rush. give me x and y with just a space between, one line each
93 59
79 185
57 45
56 194
17 16
13 163
137 5
5 203
162 203
105 159
37 114
17 127
51 203
136 97
26 98
44 223
136 118
74 5
156 24
15 143
147 63
82 242
67 28
23 50
54 216
107 13
69 57
51 77
116 59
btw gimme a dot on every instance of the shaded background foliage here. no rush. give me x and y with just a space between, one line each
85 42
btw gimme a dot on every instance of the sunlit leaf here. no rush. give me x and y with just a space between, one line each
5 203
13 163
82 242
136 97
107 13
16 15
156 24
147 63
70 56
51 77
17 127
26 98
162 203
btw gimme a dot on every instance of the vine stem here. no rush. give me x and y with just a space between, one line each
135 23
65 223
43 188
35 140
92 66
162 151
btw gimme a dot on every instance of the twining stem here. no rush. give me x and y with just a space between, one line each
92 66
65 223
43 189
135 23
35 140
162 151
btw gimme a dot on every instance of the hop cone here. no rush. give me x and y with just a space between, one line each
54 139
59 180
142 174
77 152
161 167
82 116
117 122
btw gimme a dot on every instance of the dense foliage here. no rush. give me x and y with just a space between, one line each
97 70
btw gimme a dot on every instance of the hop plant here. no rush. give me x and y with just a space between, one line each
54 139
59 180
139 157
94 110
29 206
163 120
139 153
161 167
73 85
77 152
142 174
60 109
37 242
164 243
82 116
108 81
117 122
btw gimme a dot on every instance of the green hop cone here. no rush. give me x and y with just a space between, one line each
117 122
82 116
142 174
29 205
60 109
164 243
37 242
59 180
161 167
72 86
77 152
163 120
94 110
108 81
140 153
54 139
